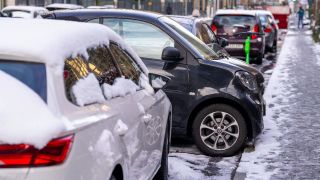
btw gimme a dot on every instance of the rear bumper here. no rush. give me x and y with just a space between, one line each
256 49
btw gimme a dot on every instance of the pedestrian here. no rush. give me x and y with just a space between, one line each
300 17
169 9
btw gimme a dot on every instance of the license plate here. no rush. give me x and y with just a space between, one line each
235 46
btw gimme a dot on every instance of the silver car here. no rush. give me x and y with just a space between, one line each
110 123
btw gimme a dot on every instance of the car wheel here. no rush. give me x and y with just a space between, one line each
219 130
274 47
259 59
113 177
162 173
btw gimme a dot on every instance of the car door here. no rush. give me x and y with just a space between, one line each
149 41
149 112
129 127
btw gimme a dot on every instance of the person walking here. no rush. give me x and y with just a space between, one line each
300 17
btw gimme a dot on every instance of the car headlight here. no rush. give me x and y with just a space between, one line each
247 80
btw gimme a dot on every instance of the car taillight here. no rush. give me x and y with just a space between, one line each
268 29
256 30
23 155
214 28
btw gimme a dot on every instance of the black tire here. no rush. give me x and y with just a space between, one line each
113 177
274 47
162 173
259 59
236 146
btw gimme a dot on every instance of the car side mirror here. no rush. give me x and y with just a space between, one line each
158 81
223 42
171 54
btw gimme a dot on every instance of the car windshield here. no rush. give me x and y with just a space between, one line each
263 19
231 20
31 74
202 48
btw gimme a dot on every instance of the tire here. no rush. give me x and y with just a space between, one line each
259 59
113 177
216 144
274 47
162 173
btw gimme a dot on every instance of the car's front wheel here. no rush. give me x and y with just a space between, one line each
219 130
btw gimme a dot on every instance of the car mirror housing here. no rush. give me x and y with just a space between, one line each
158 81
223 42
171 54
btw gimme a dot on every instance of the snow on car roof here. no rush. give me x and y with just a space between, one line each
235 12
64 6
25 8
51 41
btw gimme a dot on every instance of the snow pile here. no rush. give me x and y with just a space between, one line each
120 87
87 91
24 117
183 166
72 40
261 164
158 83
141 108
120 128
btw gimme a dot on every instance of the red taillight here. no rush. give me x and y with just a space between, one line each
268 29
65 74
256 30
22 155
214 28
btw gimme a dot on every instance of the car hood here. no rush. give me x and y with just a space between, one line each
235 65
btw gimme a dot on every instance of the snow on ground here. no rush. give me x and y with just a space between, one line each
317 50
256 164
186 166
24 116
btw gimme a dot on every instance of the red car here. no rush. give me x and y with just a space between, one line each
236 26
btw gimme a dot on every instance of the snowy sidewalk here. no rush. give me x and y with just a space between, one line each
289 147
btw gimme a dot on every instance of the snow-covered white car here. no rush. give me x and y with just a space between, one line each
28 12
78 105
61 6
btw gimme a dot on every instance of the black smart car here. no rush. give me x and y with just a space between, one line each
216 100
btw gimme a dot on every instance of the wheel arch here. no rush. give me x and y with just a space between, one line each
118 172
219 100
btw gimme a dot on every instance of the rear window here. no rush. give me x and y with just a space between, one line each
231 20
31 74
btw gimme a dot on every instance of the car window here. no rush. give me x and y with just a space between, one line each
31 74
101 64
126 64
205 34
94 21
231 20
146 39
263 19
74 69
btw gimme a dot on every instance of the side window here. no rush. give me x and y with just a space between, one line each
127 66
146 39
94 21
203 34
102 66
74 70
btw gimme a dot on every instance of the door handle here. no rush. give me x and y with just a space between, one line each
120 128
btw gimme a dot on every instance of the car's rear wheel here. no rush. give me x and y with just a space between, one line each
162 173
259 59
219 130
274 47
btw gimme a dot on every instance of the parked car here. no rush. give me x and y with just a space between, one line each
216 100
200 28
59 6
271 29
102 7
29 12
233 25
79 107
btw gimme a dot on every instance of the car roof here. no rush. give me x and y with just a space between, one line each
235 12
66 6
49 41
263 12
26 8
84 14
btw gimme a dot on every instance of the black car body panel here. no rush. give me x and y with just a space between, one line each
195 82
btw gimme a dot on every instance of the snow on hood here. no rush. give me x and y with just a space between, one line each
24 117
52 41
